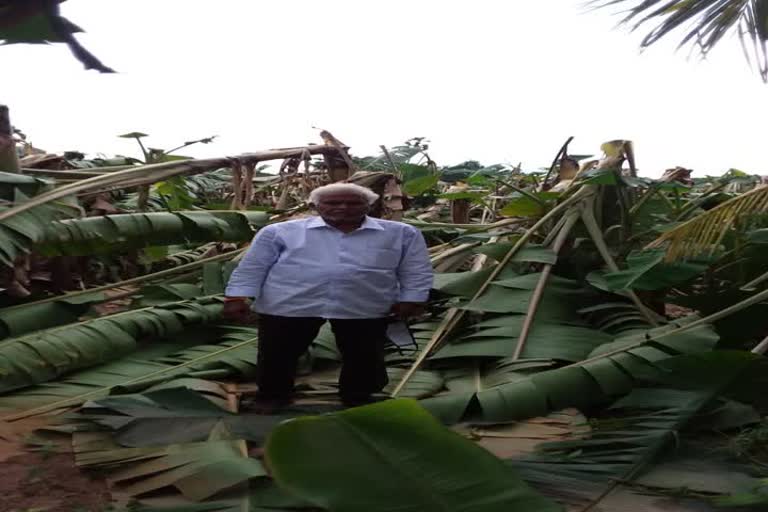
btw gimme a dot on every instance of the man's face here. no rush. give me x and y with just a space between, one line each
342 208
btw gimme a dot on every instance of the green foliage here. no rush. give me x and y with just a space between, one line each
421 185
610 371
46 355
648 271
522 206
220 353
410 457
110 233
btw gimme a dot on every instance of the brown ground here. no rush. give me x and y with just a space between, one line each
51 483
44 481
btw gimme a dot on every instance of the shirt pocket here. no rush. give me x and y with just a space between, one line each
380 258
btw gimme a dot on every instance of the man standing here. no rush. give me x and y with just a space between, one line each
341 266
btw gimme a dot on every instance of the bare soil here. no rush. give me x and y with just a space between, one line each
50 482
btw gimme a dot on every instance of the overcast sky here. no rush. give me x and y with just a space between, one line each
493 80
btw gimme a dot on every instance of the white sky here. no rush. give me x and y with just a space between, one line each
497 81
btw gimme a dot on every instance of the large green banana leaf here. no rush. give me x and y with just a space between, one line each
93 235
180 415
149 365
20 232
642 424
611 371
392 456
46 355
23 319
197 470
514 296
42 229
497 337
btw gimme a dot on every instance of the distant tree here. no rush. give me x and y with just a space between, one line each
39 22
704 23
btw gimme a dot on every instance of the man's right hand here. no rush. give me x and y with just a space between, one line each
236 309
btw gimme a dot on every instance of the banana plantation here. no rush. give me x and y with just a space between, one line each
594 339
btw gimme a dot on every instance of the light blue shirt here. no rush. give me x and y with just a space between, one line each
306 267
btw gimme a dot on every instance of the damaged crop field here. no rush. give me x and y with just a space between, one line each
594 340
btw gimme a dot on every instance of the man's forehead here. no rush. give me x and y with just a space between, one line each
346 196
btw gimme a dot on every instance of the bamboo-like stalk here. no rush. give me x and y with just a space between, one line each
453 251
61 175
538 292
761 347
753 283
478 227
454 315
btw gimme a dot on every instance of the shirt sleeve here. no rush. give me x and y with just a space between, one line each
248 278
415 271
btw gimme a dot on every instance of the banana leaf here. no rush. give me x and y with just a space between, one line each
152 364
110 233
611 371
20 232
42 229
175 415
197 470
23 319
638 428
395 457
47 355
498 337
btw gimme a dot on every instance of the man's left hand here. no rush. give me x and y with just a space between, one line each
406 310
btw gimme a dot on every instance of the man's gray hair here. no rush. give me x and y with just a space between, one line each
348 188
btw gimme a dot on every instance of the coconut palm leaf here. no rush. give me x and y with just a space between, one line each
706 231
707 21
405 451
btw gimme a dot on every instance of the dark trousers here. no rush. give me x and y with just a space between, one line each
282 341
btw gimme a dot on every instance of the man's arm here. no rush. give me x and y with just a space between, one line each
414 274
248 278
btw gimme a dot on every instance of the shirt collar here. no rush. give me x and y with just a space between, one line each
368 223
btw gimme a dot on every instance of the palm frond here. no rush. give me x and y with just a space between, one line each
703 233
705 23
